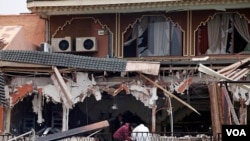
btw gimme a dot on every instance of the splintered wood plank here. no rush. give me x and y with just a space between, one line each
67 96
211 72
239 74
170 94
75 131
144 67
229 102
234 66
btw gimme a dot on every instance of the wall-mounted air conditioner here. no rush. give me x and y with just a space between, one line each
61 44
86 44
45 47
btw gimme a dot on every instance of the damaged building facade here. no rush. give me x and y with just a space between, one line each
181 66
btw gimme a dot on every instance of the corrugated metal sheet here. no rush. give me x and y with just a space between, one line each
58 59
2 90
64 60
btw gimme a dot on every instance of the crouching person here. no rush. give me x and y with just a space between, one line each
123 133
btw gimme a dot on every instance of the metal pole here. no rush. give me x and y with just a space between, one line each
171 118
32 131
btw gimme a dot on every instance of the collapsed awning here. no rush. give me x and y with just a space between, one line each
76 61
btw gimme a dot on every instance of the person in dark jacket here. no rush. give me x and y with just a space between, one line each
123 133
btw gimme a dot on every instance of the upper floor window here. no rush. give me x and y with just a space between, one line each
153 36
223 34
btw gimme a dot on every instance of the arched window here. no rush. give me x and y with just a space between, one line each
225 33
153 36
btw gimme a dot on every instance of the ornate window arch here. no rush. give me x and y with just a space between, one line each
152 35
223 33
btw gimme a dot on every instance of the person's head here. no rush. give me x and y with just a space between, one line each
120 117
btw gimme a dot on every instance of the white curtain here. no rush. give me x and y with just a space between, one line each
214 26
160 31
161 38
242 27
176 41
218 29
224 32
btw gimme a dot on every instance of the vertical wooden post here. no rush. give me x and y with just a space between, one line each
7 119
216 125
220 104
65 118
153 117
243 111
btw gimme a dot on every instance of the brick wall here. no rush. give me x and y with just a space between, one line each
33 26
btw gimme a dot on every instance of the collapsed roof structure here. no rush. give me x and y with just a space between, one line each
179 65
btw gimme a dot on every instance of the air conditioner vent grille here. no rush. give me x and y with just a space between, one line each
61 44
64 45
86 44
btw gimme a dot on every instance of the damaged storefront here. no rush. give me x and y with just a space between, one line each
51 97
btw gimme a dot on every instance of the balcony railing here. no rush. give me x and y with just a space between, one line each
177 136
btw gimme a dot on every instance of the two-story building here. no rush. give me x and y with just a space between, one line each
193 55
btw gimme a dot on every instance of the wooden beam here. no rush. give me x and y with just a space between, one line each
234 66
67 96
243 112
241 73
75 131
216 124
147 67
169 93
7 120
211 72
154 107
236 120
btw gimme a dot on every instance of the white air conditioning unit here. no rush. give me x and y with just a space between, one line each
45 47
61 44
86 44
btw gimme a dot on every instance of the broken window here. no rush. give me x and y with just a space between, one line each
225 33
153 36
